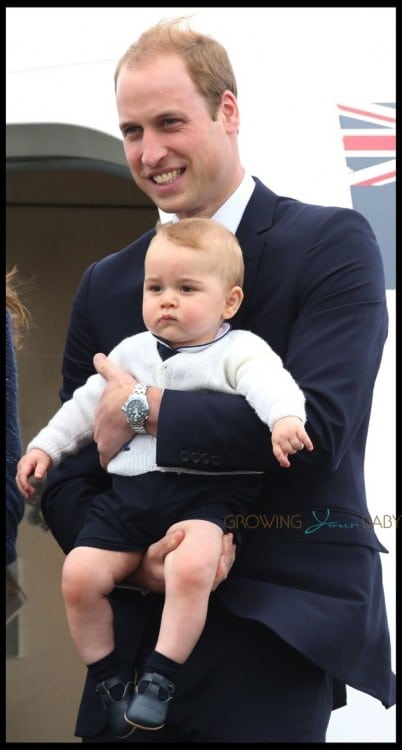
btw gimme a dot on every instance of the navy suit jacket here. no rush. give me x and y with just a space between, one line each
309 566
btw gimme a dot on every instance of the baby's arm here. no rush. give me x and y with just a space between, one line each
35 464
288 437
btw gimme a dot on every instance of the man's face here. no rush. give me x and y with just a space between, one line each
181 158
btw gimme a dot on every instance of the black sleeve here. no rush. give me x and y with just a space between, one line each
212 432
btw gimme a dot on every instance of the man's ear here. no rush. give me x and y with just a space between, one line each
234 298
230 112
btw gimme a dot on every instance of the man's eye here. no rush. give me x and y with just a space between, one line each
171 122
131 132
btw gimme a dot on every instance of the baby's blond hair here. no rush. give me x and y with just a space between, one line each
211 237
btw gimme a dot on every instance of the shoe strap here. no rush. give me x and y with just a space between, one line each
104 688
159 681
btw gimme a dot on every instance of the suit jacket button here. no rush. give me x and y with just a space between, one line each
184 456
195 457
205 458
215 459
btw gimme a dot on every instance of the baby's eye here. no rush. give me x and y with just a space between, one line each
186 288
155 288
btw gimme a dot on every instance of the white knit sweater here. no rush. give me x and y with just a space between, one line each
236 362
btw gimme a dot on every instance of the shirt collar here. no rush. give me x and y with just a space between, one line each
166 350
231 212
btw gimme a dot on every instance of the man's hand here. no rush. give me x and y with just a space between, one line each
111 430
226 560
151 574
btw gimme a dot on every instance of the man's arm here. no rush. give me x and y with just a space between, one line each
249 438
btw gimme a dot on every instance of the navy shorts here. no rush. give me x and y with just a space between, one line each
140 509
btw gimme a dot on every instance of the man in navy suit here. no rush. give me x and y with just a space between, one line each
302 612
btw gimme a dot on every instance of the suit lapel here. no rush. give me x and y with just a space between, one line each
252 234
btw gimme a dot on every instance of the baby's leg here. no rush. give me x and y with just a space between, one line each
189 576
88 576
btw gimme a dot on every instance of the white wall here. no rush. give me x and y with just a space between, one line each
293 66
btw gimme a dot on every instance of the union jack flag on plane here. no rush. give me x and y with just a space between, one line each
369 139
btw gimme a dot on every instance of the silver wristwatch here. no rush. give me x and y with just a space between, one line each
136 408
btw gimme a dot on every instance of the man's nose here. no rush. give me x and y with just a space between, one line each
152 149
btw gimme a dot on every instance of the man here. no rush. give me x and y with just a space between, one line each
302 612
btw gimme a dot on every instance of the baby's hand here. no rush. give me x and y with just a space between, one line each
289 437
34 464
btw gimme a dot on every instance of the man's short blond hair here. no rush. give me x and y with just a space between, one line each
206 60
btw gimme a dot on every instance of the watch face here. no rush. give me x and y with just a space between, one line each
136 410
